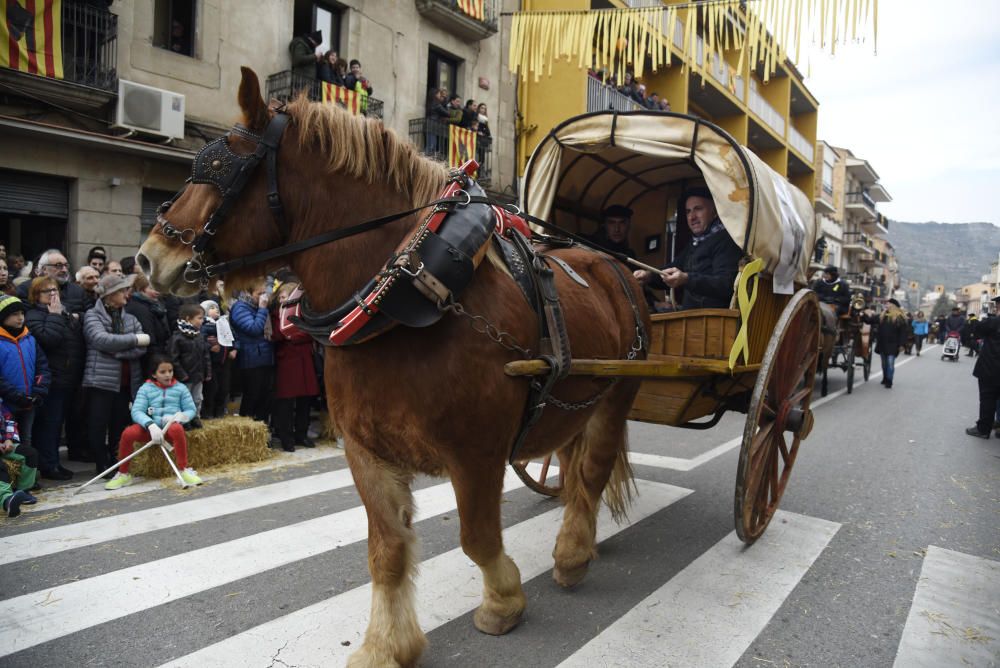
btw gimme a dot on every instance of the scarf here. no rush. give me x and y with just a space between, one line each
187 329
117 321
714 228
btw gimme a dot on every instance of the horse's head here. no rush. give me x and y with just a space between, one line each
222 212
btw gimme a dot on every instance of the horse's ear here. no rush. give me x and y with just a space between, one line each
254 108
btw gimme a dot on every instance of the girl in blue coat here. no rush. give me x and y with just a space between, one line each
160 400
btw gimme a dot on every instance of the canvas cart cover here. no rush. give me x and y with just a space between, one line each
766 215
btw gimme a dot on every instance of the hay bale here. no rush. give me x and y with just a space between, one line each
228 440
13 471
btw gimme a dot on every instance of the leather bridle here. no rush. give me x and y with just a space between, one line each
217 164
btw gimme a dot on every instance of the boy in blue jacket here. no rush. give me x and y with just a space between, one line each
24 369
160 400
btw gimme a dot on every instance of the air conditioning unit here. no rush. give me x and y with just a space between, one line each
149 110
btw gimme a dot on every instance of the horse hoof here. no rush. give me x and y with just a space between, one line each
493 624
570 577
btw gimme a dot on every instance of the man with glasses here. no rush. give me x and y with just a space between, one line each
54 264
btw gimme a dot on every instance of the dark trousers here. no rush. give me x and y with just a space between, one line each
77 438
257 384
290 419
919 340
48 427
108 415
210 393
989 395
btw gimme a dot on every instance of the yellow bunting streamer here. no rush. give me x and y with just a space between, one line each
764 32
745 303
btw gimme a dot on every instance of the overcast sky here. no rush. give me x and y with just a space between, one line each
924 111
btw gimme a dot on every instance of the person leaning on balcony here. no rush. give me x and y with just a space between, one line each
707 266
831 289
328 69
455 110
355 77
302 50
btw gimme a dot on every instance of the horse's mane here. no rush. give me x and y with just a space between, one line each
365 149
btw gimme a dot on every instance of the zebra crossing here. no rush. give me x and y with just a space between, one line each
180 601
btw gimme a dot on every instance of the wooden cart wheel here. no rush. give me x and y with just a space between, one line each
779 416
538 483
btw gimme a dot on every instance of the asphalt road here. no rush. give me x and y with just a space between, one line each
886 552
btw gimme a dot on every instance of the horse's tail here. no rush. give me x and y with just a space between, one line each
621 487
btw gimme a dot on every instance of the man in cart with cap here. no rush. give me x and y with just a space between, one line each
614 230
833 290
707 266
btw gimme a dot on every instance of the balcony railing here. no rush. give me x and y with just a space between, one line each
601 98
765 111
287 85
448 15
89 48
431 136
860 197
800 144
859 240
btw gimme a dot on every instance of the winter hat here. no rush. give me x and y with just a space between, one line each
316 36
209 303
9 305
111 283
894 303
617 211
833 271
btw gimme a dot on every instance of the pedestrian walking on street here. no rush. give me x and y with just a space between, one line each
891 335
920 330
987 372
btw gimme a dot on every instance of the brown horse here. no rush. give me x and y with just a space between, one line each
432 400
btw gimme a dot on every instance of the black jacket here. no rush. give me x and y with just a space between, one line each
988 365
891 335
61 337
72 296
711 267
954 323
328 73
837 293
192 363
351 81
153 318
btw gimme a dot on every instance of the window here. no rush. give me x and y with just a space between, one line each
151 201
828 177
312 16
442 71
173 25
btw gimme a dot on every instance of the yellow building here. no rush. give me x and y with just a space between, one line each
776 120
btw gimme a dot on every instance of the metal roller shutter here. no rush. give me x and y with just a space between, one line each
33 194
151 201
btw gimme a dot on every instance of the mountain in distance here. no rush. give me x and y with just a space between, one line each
952 254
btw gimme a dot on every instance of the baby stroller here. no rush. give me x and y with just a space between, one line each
952 346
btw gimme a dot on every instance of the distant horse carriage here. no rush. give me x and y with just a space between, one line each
538 346
846 343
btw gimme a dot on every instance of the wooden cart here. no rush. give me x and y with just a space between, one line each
850 348
645 160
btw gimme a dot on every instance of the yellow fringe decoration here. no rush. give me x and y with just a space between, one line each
629 39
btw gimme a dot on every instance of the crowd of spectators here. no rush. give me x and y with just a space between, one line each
74 354
444 109
631 88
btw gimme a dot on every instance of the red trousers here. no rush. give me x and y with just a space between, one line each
138 434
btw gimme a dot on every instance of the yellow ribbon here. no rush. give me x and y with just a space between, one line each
745 302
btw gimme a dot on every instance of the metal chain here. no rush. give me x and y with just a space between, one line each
484 326
578 405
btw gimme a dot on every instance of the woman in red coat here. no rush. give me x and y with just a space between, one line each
297 386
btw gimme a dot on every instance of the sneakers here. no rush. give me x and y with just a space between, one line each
974 431
30 501
120 480
12 506
190 476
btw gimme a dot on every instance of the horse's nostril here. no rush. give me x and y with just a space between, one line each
143 262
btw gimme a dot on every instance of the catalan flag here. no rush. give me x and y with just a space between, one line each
349 99
461 145
31 36
473 8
